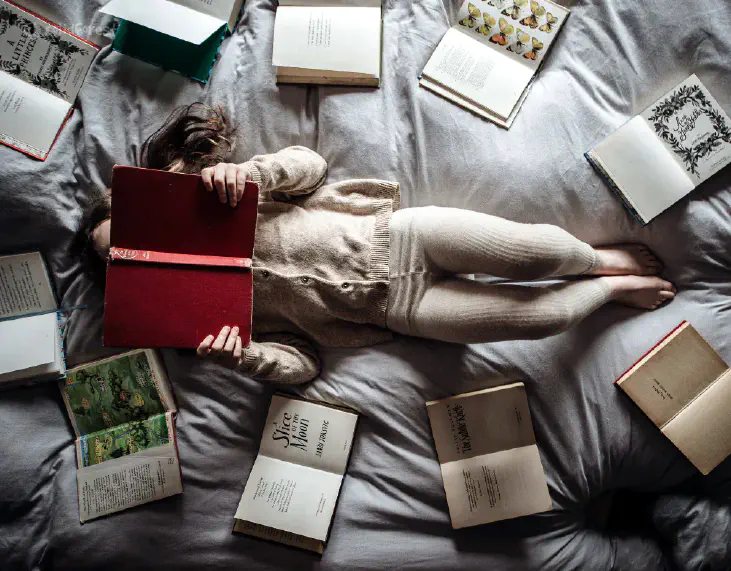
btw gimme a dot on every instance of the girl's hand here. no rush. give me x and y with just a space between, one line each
225 349
228 179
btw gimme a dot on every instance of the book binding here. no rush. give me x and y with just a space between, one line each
150 256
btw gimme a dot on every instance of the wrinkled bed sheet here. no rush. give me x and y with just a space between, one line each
612 60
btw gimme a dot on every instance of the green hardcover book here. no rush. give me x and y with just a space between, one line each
168 52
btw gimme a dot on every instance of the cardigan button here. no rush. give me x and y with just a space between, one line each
265 274
305 280
345 285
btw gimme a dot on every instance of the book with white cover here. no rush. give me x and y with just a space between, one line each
661 155
193 21
32 344
292 489
488 454
42 68
487 61
328 42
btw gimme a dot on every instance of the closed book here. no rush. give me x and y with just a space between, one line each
180 263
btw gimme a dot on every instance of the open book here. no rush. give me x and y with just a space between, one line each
661 155
42 67
486 62
685 388
121 409
179 35
328 42
292 489
30 329
487 450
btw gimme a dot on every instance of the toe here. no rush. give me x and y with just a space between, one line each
666 295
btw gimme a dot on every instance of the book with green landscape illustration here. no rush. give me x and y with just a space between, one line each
122 411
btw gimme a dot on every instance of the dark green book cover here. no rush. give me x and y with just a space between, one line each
167 52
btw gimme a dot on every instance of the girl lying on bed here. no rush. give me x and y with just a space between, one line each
341 265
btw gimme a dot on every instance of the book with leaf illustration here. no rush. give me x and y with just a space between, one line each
293 487
183 36
122 411
487 61
661 155
684 387
487 450
42 67
328 42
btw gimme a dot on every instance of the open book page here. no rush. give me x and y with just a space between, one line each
116 390
293 498
30 118
640 165
28 342
308 434
693 128
124 439
41 54
224 10
490 462
702 431
346 39
128 481
485 77
25 287
672 375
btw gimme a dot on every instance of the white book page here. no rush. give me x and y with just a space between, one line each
496 486
220 9
333 3
694 129
641 166
328 38
171 18
484 76
24 285
289 497
308 434
129 481
43 55
28 342
30 118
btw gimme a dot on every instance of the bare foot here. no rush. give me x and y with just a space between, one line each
643 292
626 260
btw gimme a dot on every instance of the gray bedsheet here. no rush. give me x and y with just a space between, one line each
613 59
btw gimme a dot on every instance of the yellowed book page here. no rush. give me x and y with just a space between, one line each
497 486
672 376
481 423
702 431
278 535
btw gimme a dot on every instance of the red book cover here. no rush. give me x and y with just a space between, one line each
180 264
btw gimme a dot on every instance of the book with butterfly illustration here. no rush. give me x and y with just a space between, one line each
488 60
661 155
331 42
42 68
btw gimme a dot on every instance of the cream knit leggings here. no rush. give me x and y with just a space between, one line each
430 246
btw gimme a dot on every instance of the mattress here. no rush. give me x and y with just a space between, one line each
611 61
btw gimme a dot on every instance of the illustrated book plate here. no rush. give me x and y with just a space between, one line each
661 155
42 67
488 60
122 411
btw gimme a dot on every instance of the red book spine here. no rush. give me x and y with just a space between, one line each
650 351
149 256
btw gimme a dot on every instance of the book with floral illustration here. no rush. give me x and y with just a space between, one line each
661 155
122 411
42 67
487 61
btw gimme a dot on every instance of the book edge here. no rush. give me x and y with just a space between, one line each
474 393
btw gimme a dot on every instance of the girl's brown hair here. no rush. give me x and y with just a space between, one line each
192 138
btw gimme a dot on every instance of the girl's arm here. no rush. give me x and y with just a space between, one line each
277 358
290 172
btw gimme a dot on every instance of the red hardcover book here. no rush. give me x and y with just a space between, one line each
180 263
